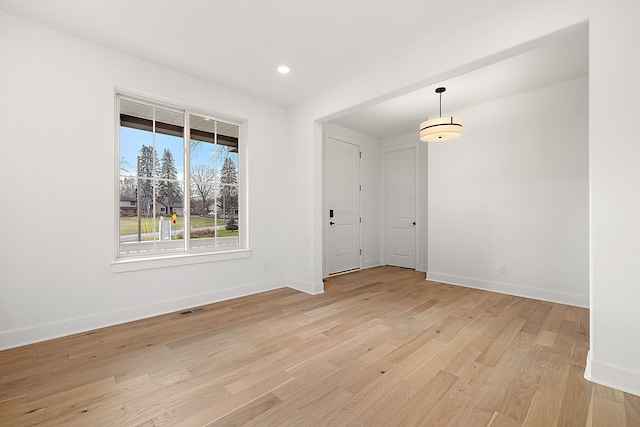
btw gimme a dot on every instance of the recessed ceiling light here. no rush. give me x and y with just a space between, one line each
283 69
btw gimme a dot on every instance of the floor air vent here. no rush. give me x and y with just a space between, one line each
190 311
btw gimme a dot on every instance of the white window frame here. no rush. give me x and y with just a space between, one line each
135 262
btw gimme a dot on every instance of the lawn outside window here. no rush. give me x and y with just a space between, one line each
179 185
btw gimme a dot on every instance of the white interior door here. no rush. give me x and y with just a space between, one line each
342 206
400 192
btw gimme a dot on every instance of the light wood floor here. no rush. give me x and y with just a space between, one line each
381 347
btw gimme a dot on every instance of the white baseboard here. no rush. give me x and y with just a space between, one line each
306 287
511 289
612 376
371 263
30 335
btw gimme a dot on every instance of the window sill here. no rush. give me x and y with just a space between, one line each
136 264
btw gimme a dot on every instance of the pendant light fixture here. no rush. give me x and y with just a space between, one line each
442 128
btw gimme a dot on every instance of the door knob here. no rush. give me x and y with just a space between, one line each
414 223
331 222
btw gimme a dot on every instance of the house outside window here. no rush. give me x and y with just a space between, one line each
179 181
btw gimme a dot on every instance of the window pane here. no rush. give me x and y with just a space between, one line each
227 153
202 133
203 232
169 198
170 150
142 231
170 236
169 122
228 135
227 203
202 198
170 210
203 209
136 132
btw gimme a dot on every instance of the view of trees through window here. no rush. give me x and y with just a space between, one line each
178 172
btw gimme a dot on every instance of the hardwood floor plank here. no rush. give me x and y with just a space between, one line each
537 318
310 411
307 378
543 411
486 400
211 410
499 420
546 338
472 417
248 412
461 361
416 409
249 380
576 399
632 410
449 406
608 412
518 397
363 401
554 319
497 347
374 354
380 412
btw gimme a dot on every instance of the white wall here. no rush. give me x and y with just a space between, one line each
370 194
613 150
305 254
58 192
513 190
614 154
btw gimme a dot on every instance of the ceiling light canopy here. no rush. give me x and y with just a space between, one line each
283 69
442 128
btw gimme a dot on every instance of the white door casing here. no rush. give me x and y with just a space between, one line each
341 206
401 214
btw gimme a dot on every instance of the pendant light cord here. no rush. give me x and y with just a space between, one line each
439 91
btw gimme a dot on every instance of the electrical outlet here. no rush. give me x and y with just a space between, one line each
502 268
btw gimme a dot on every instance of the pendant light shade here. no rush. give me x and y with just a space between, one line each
442 128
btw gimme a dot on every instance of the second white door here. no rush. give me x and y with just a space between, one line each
400 195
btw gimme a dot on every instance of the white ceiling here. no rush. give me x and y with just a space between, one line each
240 43
560 60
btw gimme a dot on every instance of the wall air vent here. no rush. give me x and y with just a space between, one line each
191 311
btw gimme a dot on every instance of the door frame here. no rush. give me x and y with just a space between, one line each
325 210
383 197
